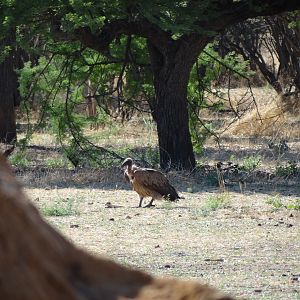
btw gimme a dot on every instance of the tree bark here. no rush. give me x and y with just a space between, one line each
36 262
9 96
171 71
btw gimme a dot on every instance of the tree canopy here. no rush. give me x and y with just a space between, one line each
173 34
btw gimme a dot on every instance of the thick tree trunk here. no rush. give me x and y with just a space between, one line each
9 96
36 262
170 107
176 150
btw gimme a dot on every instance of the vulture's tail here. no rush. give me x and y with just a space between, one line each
173 196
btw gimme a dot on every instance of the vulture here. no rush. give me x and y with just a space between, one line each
148 183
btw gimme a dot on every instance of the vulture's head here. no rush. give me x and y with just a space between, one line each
127 162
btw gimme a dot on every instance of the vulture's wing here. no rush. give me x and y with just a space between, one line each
156 181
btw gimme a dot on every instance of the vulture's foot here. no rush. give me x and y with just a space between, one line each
150 204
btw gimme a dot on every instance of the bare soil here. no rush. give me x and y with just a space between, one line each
250 248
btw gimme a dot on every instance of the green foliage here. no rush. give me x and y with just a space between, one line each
146 154
294 20
216 202
60 208
19 159
295 205
149 154
4 52
212 179
54 163
251 162
275 202
206 71
179 17
287 169
55 84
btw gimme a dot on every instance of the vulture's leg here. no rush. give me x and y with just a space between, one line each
141 201
150 203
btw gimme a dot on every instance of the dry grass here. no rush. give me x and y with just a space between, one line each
276 117
246 248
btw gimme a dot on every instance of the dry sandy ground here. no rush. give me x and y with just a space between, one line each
248 248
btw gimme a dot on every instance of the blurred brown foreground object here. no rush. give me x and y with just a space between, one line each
36 262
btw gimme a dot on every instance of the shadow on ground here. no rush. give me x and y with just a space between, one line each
203 179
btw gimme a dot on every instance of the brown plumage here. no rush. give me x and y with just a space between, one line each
148 183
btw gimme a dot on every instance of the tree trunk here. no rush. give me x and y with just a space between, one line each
175 145
170 107
9 96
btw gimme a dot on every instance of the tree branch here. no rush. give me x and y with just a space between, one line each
231 12
101 40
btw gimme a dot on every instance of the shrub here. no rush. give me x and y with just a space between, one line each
276 202
216 202
19 159
290 168
251 162
60 208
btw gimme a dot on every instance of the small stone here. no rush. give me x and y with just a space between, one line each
74 226
167 266
257 290
111 219
157 246
108 205
295 278
128 217
289 225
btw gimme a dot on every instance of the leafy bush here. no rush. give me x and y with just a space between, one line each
290 168
251 162
60 208
19 159
216 202
276 202
60 162
295 205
